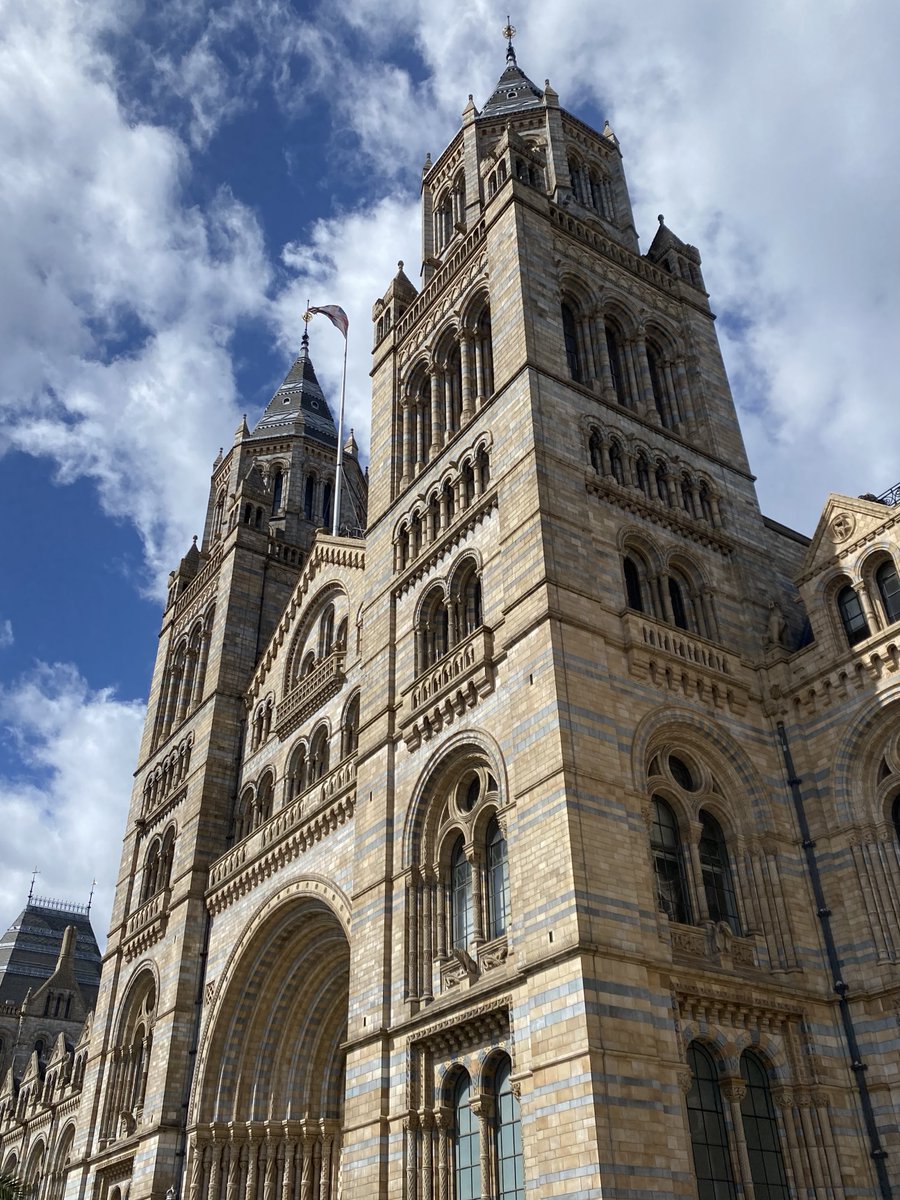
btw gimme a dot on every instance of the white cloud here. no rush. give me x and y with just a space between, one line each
348 260
65 812
7 638
100 250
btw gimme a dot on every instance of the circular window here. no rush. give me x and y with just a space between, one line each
681 773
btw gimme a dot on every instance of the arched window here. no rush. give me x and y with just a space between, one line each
460 897
853 618
642 474
318 755
761 1132
633 596
508 1156
326 504
468 603
484 355
297 772
350 727
466 1151
888 585
434 628
277 491
616 463
309 497
326 632
679 607
570 340
151 871
706 1120
615 352
718 884
668 864
497 868
264 798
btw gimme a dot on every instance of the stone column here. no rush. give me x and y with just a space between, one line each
734 1090
406 421
428 907
477 893
466 364
783 1098
697 871
426 1124
217 1149
198 1152
483 1108
607 390
411 1145
273 1137
308 1143
443 1119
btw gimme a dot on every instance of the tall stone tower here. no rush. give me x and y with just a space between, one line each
544 841
268 494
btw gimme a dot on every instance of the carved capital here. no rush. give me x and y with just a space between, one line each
734 1090
685 1081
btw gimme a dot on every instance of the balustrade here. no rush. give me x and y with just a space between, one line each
310 692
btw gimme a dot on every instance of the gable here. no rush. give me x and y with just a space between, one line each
846 525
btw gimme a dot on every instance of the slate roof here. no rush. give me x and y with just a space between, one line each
514 91
299 395
30 948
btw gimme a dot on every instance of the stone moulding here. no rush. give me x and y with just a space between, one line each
441 277
146 925
285 836
445 691
714 942
685 662
310 693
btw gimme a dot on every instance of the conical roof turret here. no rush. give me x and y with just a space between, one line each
300 395
514 91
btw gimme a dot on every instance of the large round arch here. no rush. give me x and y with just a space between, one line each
273 1057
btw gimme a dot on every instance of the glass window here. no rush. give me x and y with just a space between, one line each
761 1132
679 611
460 897
717 881
889 589
467 1159
616 365
633 595
665 845
570 337
853 618
706 1120
497 881
508 1134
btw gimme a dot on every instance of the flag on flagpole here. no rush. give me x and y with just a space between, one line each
334 313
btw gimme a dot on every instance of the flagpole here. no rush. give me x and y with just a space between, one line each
339 468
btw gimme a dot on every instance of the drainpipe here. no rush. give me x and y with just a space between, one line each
877 1152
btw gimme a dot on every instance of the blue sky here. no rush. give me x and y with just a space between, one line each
180 176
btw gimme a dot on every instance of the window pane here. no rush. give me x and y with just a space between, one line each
467 1158
717 881
497 881
667 862
761 1132
460 898
706 1120
854 620
889 587
508 1134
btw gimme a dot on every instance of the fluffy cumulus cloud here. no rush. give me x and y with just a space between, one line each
117 299
64 799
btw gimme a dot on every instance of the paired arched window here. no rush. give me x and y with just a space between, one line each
615 350
158 865
714 896
350 727
460 897
448 618
505 1130
712 1152
127 1081
570 341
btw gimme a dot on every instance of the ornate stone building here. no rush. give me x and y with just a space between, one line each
544 841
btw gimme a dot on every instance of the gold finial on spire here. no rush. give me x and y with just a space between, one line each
509 32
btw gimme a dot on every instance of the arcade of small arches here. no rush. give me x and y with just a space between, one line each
669 589
316 487
591 186
868 600
457 880
631 465
158 862
449 611
323 635
444 389
449 497
311 759
167 775
448 215
268 1110
638 367
185 675
46 1166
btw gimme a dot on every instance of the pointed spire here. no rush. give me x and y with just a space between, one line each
514 91
299 396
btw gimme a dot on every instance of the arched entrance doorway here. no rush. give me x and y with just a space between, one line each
270 1099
